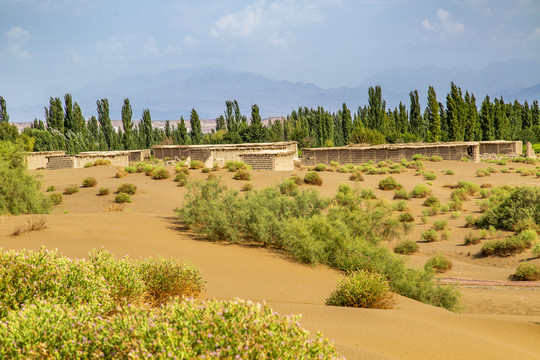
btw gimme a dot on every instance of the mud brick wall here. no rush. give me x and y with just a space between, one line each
259 162
61 162
501 147
39 159
285 162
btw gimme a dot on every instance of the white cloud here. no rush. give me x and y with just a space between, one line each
17 33
241 23
116 48
443 24
17 36
150 48
535 34
73 56
19 52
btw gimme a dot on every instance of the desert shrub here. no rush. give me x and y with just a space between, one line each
242 175
181 178
438 263
526 272
401 194
440 224
406 247
367 194
148 169
420 191
56 198
297 179
103 191
536 250
406 217
161 173
122 198
206 170
430 235
356 176
471 239
35 223
51 188
99 162
233 166
313 178
127 188
435 158
320 167
509 246
362 289
430 176
88 164
431 200
19 191
400 205
216 329
509 206
72 189
121 173
196 164
446 234
130 169
389 183
455 205
418 157
247 187
456 214
181 169
89 182
449 172
288 187
424 219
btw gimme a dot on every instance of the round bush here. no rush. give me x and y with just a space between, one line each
471 239
122 198
363 289
406 247
431 200
320 167
313 178
89 182
356 176
103 191
56 198
406 217
242 175
389 183
126 188
72 189
438 263
430 236
247 187
161 173
526 272
421 191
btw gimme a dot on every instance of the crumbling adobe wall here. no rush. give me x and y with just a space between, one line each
259 161
39 159
117 158
501 147
61 162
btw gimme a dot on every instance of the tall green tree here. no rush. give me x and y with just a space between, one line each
503 130
4 117
196 132
69 117
487 121
474 129
145 130
376 109
402 122
127 124
257 132
433 116
455 114
346 123
535 114
182 130
105 123
415 116
54 115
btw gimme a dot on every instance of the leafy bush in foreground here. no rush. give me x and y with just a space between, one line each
406 247
526 272
181 330
509 246
362 289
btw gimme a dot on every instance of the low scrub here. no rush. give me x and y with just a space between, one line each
122 198
234 166
196 164
161 173
389 183
56 198
471 239
247 187
420 191
103 191
181 178
526 272
35 223
362 289
102 162
356 176
406 217
509 246
70 190
430 176
320 167
89 182
431 200
438 263
440 224
402 194
242 175
313 178
406 247
127 188
430 236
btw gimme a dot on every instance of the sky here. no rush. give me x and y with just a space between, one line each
66 44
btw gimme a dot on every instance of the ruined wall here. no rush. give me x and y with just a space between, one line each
60 162
39 159
259 161
117 158
501 147
138 155
285 162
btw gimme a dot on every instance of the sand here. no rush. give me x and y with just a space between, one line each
499 320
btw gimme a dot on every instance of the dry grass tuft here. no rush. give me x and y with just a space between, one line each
115 207
35 223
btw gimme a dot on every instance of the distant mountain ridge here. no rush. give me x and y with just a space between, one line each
172 94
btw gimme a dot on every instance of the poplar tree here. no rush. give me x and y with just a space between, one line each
402 121
455 111
376 109
503 129
415 116
127 124
433 116
487 120
182 130
105 123
535 114
196 133
69 118
4 117
256 129
346 123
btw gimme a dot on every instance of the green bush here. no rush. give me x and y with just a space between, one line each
362 289
196 164
89 182
400 205
470 221
127 188
401 194
247 187
438 263
389 183
526 272
19 191
242 175
181 178
536 250
72 189
233 166
161 173
313 178
449 172
103 191
509 246
122 198
471 239
406 247
297 179
431 200
51 188
56 198
99 162
88 164
430 176
440 224
430 235
130 169
406 217
320 167
288 187
420 191
356 176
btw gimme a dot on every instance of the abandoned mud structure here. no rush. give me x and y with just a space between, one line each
395 152
59 159
278 156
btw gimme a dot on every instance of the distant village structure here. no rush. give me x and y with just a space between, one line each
280 156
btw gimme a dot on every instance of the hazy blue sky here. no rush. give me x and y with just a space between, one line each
63 44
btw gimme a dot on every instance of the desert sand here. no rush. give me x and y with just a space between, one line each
500 319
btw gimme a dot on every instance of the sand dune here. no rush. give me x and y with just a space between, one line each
497 322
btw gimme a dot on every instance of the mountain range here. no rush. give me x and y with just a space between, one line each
174 93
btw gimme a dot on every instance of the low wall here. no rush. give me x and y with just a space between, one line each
117 158
39 159
61 162
501 147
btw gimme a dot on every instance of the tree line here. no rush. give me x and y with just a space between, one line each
458 118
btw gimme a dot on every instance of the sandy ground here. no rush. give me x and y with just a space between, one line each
498 322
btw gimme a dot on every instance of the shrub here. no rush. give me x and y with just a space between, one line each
526 272
35 223
103 191
509 246
420 191
130 169
88 164
401 194
438 263
431 200
470 221
406 247
89 182
247 187
127 188
297 179
430 176
206 170
440 224
233 166
406 217
536 250
56 198
456 214
242 175
196 164
121 174
148 169
99 162
356 176
288 187
181 178
181 170
72 189
435 158
430 236
51 188
313 178
449 172
471 239
389 183
400 205
161 173
320 167
446 234
122 198
363 290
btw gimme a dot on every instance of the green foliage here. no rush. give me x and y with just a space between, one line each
440 224
420 191
406 247
449 172
196 164
122 198
51 188
400 205
161 173
389 183
356 176
406 217
430 235
127 188
181 178
89 182
509 246
320 167
88 164
471 239
247 187
430 176
102 162
526 272
363 289
56 198
438 263
103 191
313 178
401 194
242 175
70 190
288 187
431 200
536 250
19 191
130 169
233 166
